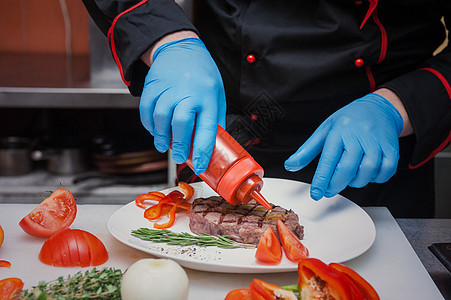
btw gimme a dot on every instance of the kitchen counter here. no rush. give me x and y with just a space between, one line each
99 189
421 233
390 265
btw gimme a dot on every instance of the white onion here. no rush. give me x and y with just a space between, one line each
159 279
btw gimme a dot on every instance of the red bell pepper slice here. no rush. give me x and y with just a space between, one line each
152 196
269 249
183 206
354 290
292 246
5 264
262 290
187 189
317 279
367 291
239 294
154 212
168 205
171 216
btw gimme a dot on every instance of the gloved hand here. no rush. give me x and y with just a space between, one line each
359 145
183 89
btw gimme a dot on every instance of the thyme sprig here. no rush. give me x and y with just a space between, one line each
92 284
187 239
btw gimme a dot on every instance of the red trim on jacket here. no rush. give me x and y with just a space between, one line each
383 52
442 146
369 75
447 141
442 79
110 37
372 7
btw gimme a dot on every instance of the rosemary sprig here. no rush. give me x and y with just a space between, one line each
187 239
92 284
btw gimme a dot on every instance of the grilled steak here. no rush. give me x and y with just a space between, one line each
244 223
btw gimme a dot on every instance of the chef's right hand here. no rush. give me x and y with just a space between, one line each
183 89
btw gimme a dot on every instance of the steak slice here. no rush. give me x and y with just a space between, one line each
244 223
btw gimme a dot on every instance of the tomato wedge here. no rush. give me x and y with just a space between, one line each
9 286
239 294
5 264
2 234
268 248
292 246
368 292
54 214
73 247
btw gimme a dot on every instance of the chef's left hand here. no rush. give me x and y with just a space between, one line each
359 145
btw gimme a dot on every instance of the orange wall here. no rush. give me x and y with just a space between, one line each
37 26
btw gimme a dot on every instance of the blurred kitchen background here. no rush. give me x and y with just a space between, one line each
67 119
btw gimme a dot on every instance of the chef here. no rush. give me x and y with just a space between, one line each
344 94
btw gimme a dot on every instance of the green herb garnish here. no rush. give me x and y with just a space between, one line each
92 284
187 239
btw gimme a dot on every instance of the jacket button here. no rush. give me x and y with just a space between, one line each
250 58
358 62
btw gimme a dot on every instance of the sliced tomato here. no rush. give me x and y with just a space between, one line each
239 294
97 250
54 214
83 249
2 233
5 264
368 292
73 247
292 246
9 286
268 248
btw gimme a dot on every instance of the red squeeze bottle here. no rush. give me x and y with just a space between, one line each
232 172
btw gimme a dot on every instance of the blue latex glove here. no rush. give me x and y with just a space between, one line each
359 145
183 88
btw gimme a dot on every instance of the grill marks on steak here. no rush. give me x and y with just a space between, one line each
244 223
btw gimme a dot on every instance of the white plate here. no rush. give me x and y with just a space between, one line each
336 230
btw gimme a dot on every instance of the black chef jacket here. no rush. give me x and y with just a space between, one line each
288 65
